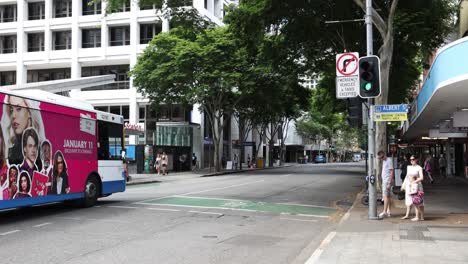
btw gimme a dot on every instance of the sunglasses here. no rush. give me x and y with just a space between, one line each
412 159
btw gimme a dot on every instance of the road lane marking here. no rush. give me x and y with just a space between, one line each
189 193
209 198
94 219
222 188
308 205
210 213
163 209
10 232
123 207
318 252
243 205
306 215
286 175
41 225
204 207
301 220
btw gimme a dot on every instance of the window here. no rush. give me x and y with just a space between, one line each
146 6
36 10
206 4
91 7
119 36
8 44
102 108
110 140
174 113
148 31
142 112
120 71
8 78
48 75
125 7
62 8
125 111
8 13
91 38
35 42
61 40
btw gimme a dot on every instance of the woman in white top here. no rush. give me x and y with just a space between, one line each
413 170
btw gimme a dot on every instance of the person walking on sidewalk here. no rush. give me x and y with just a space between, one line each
442 166
157 163
194 161
428 168
164 163
388 175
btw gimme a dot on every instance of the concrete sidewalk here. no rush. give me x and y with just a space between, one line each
441 238
176 176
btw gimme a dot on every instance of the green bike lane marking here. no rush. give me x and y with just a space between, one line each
244 205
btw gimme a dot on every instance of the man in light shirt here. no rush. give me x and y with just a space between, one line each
388 176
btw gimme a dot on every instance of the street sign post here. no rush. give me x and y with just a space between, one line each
347 87
389 113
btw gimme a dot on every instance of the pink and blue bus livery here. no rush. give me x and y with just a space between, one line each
54 148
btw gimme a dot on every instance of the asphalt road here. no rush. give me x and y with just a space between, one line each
270 216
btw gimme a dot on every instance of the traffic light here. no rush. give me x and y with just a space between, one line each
355 112
369 76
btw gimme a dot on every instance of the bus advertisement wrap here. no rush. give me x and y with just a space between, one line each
45 149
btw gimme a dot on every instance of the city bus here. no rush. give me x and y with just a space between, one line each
54 148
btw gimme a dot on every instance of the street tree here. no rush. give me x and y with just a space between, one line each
203 69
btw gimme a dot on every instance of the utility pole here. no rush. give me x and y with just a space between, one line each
371 125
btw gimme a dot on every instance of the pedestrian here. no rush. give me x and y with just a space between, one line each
413 177
157 163
428 168
388 176
194 161
164 161
442 166
404 167
236 160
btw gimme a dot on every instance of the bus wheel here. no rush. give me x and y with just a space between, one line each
91 193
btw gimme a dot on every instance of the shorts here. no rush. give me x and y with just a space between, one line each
386 189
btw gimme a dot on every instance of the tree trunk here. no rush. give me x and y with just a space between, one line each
241 138
271 145
386 53
218 142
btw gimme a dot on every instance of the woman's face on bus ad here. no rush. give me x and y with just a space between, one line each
12 176
59 164
24 184
19 114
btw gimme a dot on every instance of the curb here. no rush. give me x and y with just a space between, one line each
129 183
242 171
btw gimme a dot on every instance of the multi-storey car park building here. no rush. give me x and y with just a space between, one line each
44 40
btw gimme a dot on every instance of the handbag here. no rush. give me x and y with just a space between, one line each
418 198
413 188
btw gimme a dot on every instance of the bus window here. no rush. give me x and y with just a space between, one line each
110 140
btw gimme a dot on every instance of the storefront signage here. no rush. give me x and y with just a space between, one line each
133 129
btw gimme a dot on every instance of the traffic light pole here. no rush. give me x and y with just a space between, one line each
371 125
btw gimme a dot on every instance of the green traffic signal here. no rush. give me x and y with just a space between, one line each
368 86
369 77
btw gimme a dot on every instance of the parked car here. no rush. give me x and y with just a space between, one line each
320 159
